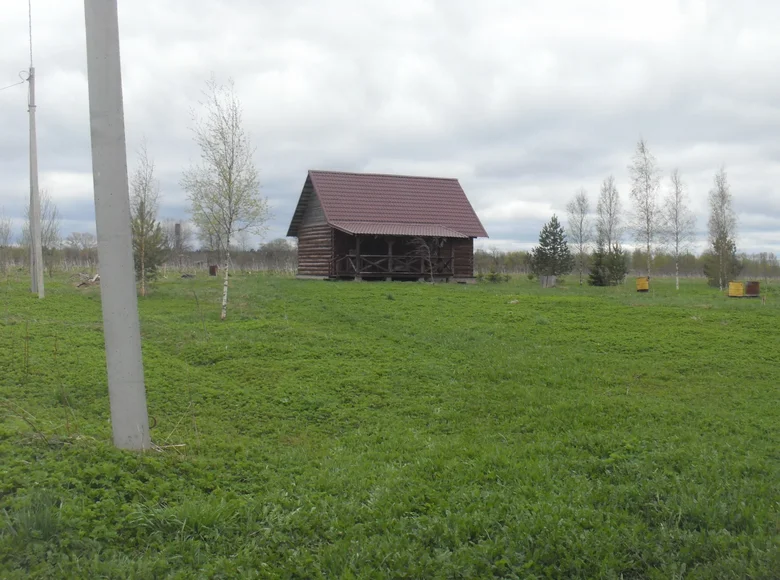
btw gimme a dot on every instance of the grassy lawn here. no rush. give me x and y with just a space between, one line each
396 430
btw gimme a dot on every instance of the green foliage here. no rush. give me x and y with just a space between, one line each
617 264
608 268
35 518
599 271
457 431
150 245
493 276
485 260
721 264
551 257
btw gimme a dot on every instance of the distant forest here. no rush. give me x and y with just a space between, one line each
79 252
764 265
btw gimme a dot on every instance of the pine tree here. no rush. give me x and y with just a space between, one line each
616 265
149 243
150 246
608 267
599 271
552 256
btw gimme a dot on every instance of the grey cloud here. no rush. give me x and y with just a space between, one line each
520 102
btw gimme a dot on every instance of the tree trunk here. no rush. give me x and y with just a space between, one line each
223 316
143 270
677 272
649 260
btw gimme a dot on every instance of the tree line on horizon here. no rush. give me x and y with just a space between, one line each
759 265
661 225
186 253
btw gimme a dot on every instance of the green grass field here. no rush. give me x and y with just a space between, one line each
396 430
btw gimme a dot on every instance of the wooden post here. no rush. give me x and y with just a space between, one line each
333 257
358 267
390 260
390 255
452 257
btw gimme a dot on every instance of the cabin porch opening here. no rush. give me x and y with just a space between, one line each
381 257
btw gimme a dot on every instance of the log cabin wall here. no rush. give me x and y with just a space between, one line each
464 257
315 241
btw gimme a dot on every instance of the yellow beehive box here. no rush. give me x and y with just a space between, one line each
736 289
642 284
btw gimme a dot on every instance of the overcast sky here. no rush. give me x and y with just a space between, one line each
524 101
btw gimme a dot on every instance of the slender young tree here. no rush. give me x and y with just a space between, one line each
51 239
580 227
608 214
427 249
224 188
645 183
722 227
552 256
148 236
679 221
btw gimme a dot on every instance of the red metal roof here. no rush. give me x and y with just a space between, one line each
393 200
395 229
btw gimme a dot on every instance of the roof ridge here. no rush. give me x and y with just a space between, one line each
389 222
370 174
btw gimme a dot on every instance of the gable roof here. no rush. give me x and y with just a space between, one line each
372 203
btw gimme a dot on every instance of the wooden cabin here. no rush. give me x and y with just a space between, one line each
391 227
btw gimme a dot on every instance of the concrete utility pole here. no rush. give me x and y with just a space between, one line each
129 419
36 251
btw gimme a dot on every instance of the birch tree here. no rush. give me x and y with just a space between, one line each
722 227
224 188
608 214
580 227
427 249
148 236
679 221
51 238
647 215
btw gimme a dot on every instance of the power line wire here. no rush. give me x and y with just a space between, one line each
13 85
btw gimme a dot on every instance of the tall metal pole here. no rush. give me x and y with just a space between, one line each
129 419
36 251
